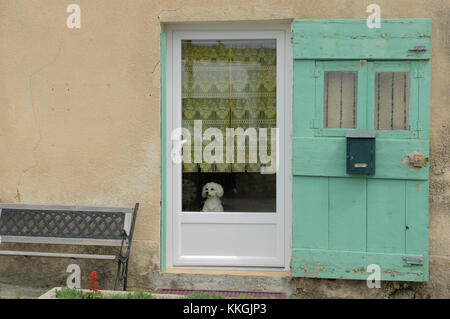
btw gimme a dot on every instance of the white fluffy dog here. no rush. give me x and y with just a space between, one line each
212 192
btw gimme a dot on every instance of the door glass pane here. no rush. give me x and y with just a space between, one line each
229 117
340 99
392 100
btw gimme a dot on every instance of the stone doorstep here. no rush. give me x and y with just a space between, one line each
51 294
222 282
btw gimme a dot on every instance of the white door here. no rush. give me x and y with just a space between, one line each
228 92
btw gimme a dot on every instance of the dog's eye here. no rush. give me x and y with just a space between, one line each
212 189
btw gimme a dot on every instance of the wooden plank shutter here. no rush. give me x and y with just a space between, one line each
343 223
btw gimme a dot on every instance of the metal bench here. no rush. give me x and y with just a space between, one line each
70 225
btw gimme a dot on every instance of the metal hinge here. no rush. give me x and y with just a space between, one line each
418 49
419 126
314 123
418 73
316 73
413 260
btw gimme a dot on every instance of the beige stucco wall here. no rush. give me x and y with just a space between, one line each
80 109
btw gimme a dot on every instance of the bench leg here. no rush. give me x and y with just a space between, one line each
125 277
122 274
119 270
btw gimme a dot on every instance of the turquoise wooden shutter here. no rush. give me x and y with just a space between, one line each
343 223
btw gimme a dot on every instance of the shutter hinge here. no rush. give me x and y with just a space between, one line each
415 128
418 73
419 126
413 260
316 73
314 123
418 49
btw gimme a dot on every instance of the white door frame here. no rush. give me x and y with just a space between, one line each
174 35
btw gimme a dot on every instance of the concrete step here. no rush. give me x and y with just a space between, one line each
222 281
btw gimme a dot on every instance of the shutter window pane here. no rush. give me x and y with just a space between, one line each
340 99
392 100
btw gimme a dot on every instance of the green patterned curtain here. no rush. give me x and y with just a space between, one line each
228 84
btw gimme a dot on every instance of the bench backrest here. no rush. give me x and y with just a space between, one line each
56 224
